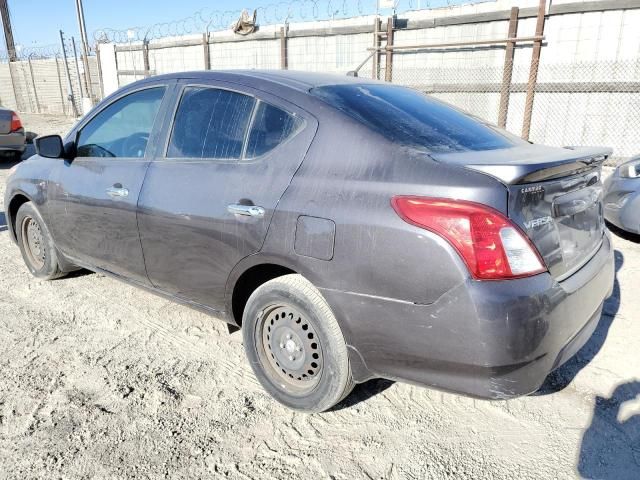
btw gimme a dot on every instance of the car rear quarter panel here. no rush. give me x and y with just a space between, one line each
348 178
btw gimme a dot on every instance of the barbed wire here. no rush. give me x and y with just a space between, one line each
38 52
209 20
42 52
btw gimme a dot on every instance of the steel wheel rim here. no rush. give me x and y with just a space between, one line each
33 241
289 348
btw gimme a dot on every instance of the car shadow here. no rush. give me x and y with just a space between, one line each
610 446
560 378
363 392
631 237
7 162
3 222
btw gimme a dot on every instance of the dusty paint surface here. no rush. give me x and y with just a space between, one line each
101 380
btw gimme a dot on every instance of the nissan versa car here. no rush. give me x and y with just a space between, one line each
351 228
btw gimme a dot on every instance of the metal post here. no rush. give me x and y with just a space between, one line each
388 64
284 61
75 56
145 57
66 67
85 47
205 51
533 72
507 73
115 60
100 83
375 67
64 108
33 82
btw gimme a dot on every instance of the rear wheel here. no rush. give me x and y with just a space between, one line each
36 244
295 345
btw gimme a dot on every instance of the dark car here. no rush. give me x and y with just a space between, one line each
622 196
353 229
12 134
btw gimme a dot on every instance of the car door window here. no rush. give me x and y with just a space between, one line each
122 129
210 123
271 126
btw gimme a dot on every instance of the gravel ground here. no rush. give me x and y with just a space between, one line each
101 380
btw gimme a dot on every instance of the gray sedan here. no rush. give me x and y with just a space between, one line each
622 196
351 228
12 134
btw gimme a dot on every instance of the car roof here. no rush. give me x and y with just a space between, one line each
297 80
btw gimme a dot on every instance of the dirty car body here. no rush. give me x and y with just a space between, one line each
622 196
341 200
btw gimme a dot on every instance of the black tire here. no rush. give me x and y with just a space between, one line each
36 245
288 317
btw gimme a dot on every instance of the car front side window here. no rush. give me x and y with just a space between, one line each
122 129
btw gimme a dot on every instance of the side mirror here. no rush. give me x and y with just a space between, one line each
49 146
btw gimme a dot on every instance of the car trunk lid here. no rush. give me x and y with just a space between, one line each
555 196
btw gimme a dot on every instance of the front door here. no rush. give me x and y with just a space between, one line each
207 202
94 198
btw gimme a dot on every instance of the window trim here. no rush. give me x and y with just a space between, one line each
242 159
84 122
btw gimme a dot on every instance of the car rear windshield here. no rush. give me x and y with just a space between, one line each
412 118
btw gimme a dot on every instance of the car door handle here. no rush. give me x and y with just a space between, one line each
246 210
115 192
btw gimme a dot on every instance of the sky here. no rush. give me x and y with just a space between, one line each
37 22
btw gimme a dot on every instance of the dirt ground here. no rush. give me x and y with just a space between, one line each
101 380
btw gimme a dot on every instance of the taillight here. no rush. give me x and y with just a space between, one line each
16 124
489 243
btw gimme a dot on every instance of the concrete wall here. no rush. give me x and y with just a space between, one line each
41 86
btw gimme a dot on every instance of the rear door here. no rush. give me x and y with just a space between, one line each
93 199
208 199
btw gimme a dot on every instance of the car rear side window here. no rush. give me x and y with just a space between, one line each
121 129
210 123
271 126
409 117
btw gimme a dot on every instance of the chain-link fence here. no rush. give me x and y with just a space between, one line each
479 62
586 103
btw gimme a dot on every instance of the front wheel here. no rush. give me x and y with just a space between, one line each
36 244
295 345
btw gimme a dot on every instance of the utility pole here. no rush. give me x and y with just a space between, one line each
85 47
8 33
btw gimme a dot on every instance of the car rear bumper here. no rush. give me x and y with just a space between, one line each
12 142
485 339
